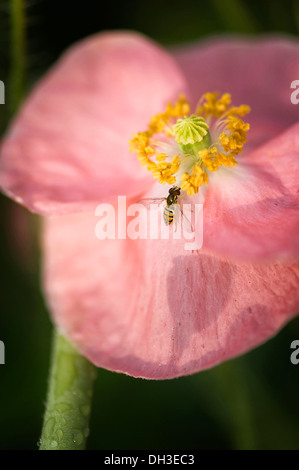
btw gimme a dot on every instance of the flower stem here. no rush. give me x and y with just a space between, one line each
66 421
18 54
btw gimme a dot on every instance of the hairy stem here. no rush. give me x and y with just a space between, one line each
66 421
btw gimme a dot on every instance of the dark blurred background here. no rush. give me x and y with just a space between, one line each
247 403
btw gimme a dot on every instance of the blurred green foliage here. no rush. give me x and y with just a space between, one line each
247 403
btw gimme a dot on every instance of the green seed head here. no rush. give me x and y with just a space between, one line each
192 134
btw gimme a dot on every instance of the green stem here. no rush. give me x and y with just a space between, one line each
66 421
18 54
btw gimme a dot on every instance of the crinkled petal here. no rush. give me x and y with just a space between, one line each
150 309
68 148
252 210
258 72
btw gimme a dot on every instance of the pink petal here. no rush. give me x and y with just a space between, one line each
258 72
151 309
68 148
252 211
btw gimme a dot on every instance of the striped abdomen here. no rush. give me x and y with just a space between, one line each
168 214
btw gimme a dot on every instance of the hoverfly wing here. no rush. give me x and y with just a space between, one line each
182 215
149 202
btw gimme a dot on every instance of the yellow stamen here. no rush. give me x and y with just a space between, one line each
209 105
191 183
164 171
190 140
234 142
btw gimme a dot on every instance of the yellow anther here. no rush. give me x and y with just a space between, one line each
235 139
239 110
149 149
191 183
180 108
207 157
209 105
236 124
161 157
164 171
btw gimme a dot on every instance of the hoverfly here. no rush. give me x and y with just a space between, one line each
171 200
172 207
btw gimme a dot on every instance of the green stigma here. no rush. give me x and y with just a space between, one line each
192 134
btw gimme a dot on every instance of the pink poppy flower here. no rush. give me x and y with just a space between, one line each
149 308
